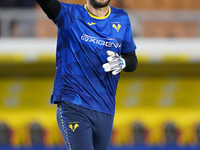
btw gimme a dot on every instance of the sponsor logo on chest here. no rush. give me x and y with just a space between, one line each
101 41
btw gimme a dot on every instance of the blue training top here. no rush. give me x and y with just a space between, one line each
83 40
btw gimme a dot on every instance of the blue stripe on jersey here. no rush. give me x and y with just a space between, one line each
81 51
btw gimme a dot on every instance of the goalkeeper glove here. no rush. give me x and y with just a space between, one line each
115 63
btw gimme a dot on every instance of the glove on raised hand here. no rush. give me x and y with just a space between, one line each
115 63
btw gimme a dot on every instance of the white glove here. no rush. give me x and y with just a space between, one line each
114 64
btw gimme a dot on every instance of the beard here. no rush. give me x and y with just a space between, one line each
96 4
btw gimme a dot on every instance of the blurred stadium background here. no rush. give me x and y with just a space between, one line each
157 106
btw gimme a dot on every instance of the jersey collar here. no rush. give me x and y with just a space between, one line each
96 17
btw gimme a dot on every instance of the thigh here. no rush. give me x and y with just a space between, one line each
75 128
103 131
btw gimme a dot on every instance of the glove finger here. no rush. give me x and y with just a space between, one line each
111 58
107 69
106 65
115 62
116 71
114 67
110 66
111 53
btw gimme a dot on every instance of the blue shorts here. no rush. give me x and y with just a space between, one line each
84 129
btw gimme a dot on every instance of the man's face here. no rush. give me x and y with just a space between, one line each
99 3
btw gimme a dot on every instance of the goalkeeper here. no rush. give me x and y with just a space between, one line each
94 45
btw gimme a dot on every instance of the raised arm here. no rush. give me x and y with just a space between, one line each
50 7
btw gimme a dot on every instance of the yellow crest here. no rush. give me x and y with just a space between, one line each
73 127
116 27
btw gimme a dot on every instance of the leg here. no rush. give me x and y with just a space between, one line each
103 131
75 128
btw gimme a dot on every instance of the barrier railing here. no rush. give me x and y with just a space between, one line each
139 18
